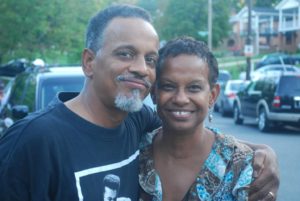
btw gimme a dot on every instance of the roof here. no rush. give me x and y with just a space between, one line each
287 4
259 11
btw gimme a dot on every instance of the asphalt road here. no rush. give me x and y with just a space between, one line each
285 142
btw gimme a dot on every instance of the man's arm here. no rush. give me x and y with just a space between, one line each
266 173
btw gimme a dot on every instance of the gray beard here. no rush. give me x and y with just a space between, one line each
129 104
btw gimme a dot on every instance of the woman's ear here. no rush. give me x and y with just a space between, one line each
214 94
88 57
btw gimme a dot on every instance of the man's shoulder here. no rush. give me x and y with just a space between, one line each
30 133
36 122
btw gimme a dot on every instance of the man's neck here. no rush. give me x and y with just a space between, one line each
96 112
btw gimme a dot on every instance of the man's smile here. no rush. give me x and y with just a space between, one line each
134 82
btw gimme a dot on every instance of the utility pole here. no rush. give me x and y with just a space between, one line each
209 22
249 46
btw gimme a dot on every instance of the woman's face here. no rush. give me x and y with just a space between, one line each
183 93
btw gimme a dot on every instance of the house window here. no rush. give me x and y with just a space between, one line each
288 38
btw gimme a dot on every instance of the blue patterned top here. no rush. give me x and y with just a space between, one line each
225 175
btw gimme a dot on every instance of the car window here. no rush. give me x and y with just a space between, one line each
235 86
290 69
259 85
276 68
289 85
272 59
23 91
224 76
251 86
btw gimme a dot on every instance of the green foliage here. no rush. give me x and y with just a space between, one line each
266 3
54 30
174 18
49 29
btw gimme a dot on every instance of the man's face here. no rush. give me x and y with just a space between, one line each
124 68
109 194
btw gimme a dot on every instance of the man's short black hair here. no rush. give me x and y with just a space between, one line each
98 23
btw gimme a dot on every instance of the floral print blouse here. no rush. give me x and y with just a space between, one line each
225 175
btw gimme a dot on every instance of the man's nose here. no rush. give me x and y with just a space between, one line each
139 66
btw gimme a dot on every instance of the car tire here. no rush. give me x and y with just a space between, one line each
264 124
237 115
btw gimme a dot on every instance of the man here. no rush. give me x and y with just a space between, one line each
63 152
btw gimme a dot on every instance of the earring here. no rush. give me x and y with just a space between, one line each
210 115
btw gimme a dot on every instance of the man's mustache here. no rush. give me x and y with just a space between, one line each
135 78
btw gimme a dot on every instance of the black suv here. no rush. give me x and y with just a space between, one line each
33 90
271 100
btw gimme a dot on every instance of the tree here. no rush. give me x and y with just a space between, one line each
50 29
174 18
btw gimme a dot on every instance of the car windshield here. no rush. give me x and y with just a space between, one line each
235 86
223 77
50 87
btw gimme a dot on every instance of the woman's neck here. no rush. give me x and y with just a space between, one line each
183 145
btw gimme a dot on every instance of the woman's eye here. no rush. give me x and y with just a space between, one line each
167 87
195 88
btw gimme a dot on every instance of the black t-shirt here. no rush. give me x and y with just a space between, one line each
57 155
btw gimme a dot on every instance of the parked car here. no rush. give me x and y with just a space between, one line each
227 95
296 59
224 76
272 100
275 58
33 90
269 69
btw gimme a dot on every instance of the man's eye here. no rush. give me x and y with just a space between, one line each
125 54
151 61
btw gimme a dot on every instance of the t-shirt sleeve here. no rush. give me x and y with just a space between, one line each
149 119
14 175
27 163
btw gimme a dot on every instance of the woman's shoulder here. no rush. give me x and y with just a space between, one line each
148 138
230 146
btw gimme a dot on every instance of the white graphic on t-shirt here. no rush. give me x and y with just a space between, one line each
99 169
111 186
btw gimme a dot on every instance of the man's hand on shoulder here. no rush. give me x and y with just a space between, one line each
266 174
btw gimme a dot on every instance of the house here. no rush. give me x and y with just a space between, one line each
272 29
264 29
289 25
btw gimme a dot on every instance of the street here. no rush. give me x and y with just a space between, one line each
285 142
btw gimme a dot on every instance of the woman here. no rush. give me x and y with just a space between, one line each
185 160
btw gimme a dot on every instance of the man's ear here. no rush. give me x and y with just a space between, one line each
214 94
88 57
